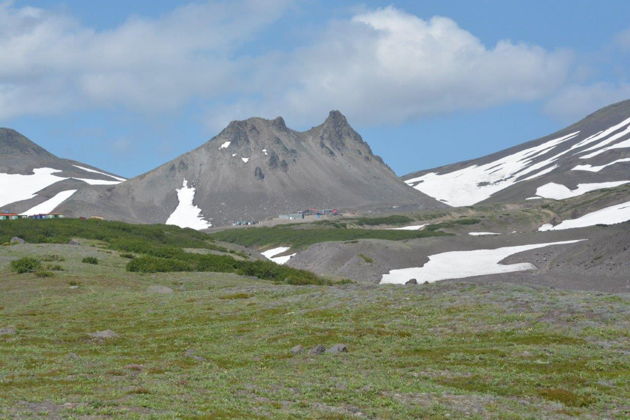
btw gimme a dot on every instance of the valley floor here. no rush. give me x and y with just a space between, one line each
212 345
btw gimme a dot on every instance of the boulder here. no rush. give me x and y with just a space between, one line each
297 349
338 348
106 334
161 290
412 281
17 241
7 331
318 349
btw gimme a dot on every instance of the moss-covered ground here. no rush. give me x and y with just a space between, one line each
219 345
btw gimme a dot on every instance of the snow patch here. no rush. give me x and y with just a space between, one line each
483 233
83 168
245 160
16 187
612 215
97 181
225 145
265 152
187 214
462 264
622 145
472 184
51 204
414 227
270 254
560 192
590 168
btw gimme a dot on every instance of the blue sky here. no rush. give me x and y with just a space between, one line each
126 86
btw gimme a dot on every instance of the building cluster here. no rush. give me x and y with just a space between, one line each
245 223
15 216
310 212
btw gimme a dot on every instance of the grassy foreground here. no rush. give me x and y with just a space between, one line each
219 345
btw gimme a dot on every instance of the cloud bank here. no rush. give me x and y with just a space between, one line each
382 66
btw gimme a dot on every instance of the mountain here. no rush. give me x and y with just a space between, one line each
32 180
255 169
591 154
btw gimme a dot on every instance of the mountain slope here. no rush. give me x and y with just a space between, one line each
591 154
32 180
256 169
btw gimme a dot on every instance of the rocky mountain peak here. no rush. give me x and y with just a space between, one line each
14 143
337 134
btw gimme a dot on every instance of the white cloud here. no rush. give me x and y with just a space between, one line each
382 66
50 63
387 66
577 101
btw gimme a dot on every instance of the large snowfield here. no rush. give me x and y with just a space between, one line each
475 183
187 214
462 264
17 187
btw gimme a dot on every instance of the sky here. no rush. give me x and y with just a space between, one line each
127 86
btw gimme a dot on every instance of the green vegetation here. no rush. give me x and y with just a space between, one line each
367 259
90 260
25 265
301 236
387 220
219 347
161 248
452 223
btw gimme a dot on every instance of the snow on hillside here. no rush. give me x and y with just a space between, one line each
462 264
187 214
50 205
413 227
560 192
476 183
16 187
590 168
94 171
271 254
612 215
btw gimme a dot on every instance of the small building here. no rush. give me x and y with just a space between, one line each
9 216
292 216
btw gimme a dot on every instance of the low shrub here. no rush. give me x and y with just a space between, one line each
90 260
52 258
43 273
25 265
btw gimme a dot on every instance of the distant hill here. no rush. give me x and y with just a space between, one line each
591 154
33 180
256 169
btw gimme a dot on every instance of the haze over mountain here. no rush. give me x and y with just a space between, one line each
255 169
591 154
33 180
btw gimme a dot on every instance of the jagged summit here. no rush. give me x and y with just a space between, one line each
258 168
